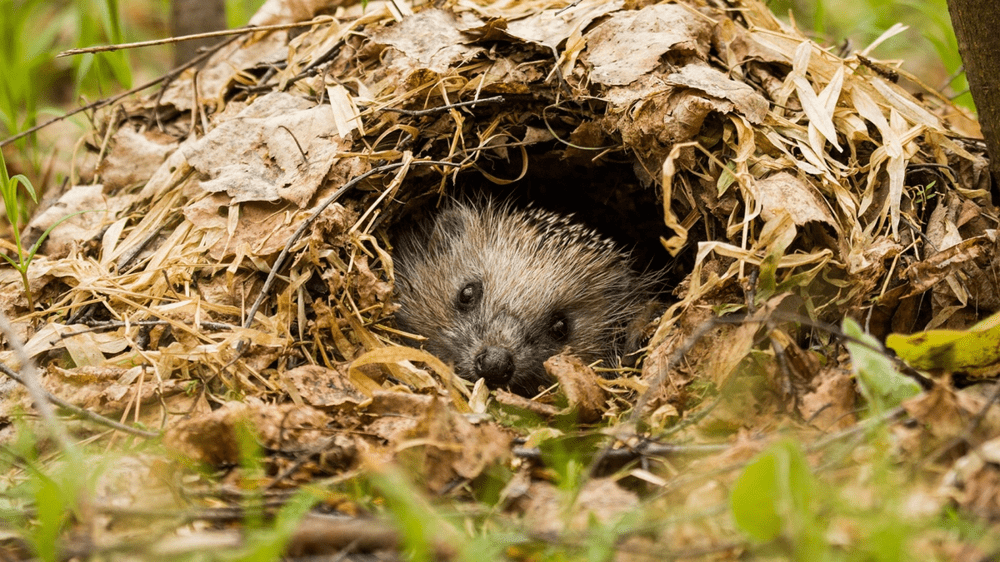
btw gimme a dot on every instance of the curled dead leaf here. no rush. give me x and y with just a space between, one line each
587 400
444 447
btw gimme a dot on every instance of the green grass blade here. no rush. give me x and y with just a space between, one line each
41 240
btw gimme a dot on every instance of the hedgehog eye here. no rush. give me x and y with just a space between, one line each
559 327
469 295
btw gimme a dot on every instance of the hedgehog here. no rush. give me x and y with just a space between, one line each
496 290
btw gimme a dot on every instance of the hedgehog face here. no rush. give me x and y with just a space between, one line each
497 291
506 345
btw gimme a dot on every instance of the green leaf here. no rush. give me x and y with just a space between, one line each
268 545
881 385
774 493
418 524
23 180
950 350
41 239
51 509
726 179
8 190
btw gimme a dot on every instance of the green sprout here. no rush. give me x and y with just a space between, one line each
12 205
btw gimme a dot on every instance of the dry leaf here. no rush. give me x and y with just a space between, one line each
785 193
587 401
433 38
746 100
445 448
324 388
630 43
280 147
134 158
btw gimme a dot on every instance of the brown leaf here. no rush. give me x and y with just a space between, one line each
505 398
370 288
926 273
785 193
831 405
211 438
396 413
445 448
135 156
551 27
432 38
630 43
275 12
974 481
74 231
324 388
946 412
257 231
713 82
587 400
279 148
109 390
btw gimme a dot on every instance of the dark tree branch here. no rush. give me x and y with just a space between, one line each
976 23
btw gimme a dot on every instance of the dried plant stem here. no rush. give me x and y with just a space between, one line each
206 35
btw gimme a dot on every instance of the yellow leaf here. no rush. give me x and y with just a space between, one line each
950 350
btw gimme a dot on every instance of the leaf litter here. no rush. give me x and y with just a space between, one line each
791 187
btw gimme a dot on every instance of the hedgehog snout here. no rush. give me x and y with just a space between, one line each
495 364
494 350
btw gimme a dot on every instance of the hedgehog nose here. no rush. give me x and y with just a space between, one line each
495 364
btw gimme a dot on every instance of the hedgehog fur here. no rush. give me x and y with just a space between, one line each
497 290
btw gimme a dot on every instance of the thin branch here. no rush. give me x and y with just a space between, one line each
647 449
43 400
115 324
207 35
674 359
30 381
108 101
443 108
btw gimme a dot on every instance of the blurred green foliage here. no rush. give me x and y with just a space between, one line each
928 48
238 12
32 32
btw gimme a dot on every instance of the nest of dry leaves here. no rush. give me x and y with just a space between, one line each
240 267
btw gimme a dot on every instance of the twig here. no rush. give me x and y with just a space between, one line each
443 108
207 35
112 324
302 458
645 449
981 415
646 396
693 339
970 428
895 414
674 359
325 534
43 400
108 101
